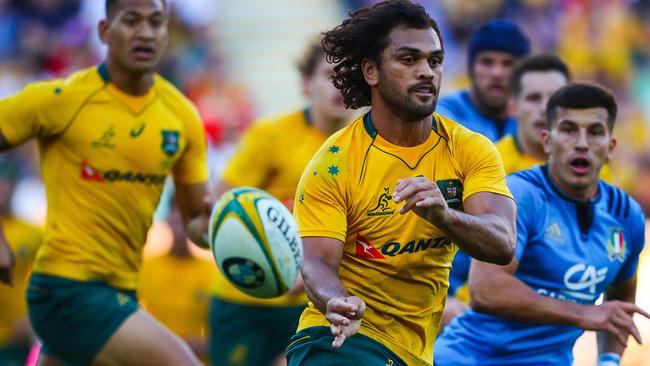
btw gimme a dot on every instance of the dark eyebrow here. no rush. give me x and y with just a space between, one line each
136 13
417 51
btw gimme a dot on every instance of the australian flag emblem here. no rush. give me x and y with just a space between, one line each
170 142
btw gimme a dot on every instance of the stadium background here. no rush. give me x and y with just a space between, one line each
235 59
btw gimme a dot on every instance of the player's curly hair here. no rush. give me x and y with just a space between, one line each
364 36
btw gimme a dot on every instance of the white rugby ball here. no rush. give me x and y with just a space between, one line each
255 242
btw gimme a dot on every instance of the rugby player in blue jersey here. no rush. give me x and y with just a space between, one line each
577 238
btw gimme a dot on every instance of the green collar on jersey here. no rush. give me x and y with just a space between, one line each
372 131
103 72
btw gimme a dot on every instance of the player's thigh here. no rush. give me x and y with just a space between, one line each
239 335
140 341
75 319
313 347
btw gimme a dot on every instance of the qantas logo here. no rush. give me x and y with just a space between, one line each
89 173
364 249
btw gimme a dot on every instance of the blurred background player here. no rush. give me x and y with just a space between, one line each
493 50
175 287
16 335
533 81
374 205
272 155
108 136
577 238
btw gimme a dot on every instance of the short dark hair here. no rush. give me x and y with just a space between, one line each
364 36
582 96
312 55
111 5
539 63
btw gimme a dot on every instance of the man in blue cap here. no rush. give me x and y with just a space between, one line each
494 48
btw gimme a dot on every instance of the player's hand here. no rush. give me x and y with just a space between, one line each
7 262
423 197
615 317
344 314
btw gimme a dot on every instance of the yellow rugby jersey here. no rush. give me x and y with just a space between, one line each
24 240
104 158
515 160
398 264
271 155
176 291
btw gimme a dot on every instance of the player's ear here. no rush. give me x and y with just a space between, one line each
546 140
102 29
612 147
305 83
370 71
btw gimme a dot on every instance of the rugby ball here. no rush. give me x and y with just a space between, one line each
255 242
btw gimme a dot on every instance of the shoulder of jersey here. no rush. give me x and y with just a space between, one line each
619 203
80 83
285 122
527 183
173 96
452 130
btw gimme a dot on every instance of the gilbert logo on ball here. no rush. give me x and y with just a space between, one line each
255 242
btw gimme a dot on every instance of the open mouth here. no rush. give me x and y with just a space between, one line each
143 52
424 90
580 166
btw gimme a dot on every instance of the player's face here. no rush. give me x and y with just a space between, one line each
490 76
579 143
530 105
410 72
136 35
323 96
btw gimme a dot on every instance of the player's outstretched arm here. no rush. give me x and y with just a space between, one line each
486 228
495 290
195 204
320 268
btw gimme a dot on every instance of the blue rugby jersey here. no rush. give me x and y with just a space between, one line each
459 107
567 250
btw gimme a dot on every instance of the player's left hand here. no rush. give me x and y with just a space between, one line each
423 197
344 314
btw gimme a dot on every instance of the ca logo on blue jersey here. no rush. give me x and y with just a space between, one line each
170 142
616 246
581 277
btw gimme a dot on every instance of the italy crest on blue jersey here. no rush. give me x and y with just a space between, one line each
567 250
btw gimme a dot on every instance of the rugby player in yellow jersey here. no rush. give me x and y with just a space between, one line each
24 239
175 287
108 137
272 155
386 202
533 81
